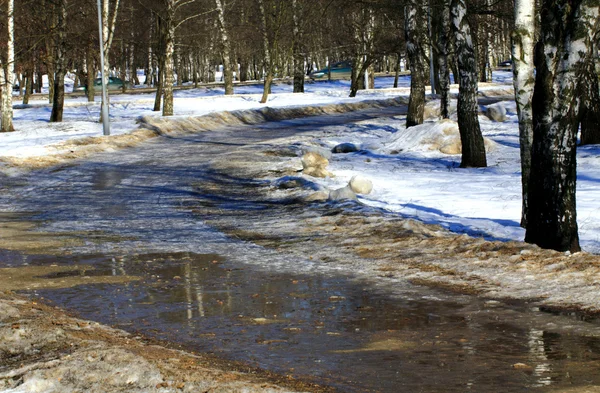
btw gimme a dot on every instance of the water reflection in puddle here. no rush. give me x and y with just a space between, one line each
336 331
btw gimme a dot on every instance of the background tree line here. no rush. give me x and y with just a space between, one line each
199 36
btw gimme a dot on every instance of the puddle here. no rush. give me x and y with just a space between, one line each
334 330
107 179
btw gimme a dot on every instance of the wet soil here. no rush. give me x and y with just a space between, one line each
44 350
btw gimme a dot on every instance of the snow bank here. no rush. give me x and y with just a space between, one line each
153 126
217 120
442 136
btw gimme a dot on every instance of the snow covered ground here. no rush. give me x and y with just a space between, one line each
417 180
409 177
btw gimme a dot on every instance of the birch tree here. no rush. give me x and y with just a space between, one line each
590 104
443 44
473 148
6 76
268 57
226 47
364 44
91 72
414 35
169 43
171 15
60 67
297 50
524 80
567 32
109 22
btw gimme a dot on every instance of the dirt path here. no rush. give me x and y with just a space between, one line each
43 349
381 244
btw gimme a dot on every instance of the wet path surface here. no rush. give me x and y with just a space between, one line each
211 293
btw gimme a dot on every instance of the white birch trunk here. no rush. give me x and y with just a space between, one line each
169 76
565 47
267 49
60 68
227 70
473 149
8 71
444 48
414 32
108 32
523 79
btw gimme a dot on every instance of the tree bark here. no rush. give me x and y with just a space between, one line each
243 70
268 57
168 76
473 148
159 88
50 61
226 46
28 86
567 33
397 72
150 70
39 81
414 31
108 32
590 105
123 71
444 48
58 102
297 50
8 71
91 74
524 80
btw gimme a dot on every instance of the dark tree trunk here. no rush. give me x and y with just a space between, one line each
28 86
567 31
354 78
243 70
58 101
50 60
268 61
473 148
443 47
123 73
358 71
414 32
397 73
39 82
590 106
21 84
267 87
91 75
159 89
297 49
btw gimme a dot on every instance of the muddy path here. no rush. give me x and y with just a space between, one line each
193 240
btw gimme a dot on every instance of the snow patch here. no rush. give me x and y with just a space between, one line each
442 136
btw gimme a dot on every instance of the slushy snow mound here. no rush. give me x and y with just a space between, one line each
442 136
